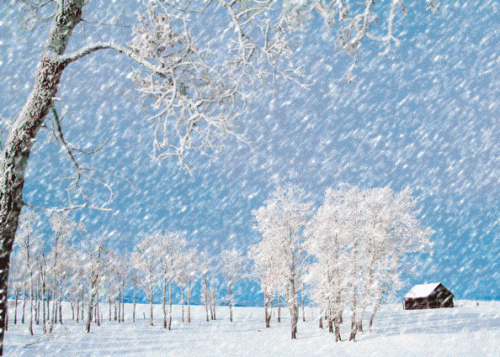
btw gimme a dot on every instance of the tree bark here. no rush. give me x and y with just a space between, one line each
375 309
22 138
135 303
151 320
279 308
230 296
170 305
163 302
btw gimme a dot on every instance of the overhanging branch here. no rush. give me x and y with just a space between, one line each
87 50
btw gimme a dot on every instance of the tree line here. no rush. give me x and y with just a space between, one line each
49 269
346 255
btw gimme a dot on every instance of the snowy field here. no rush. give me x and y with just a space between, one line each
466 330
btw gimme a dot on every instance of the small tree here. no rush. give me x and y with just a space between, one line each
233 268
96 265
188 267
147 263
170 250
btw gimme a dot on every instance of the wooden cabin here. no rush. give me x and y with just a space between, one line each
428 296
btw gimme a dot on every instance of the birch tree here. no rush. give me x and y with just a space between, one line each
233 268
281 222
185 278
268 268
146 260
194 90
169 250
393 232
328 236
26 241
95 268
358 239
62 226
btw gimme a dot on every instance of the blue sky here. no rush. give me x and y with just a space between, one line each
425 116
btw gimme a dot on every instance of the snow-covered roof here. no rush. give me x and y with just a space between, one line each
420 291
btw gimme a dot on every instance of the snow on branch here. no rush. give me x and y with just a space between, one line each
196 94
356 21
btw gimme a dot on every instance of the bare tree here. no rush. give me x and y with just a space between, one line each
185 277
233 267
96 261
170 249
26 242
146 260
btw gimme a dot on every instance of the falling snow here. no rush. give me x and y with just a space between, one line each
426 116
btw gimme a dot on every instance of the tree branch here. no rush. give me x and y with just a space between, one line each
87 50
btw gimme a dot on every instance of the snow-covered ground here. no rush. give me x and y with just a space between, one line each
468 329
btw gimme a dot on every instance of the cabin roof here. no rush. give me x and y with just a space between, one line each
421 291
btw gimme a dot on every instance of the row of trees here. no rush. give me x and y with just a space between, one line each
48 269
349 253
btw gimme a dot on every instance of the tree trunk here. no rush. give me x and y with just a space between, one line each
123 307
355 330
375 309
109 305
119 308
294 310
279 308
163 303
303 308
170 305
15 306
182 303
268 309
206 300
189 303
337 321
135 298
22 136
78 308
230 302
30 329
151 320
24 303
60 311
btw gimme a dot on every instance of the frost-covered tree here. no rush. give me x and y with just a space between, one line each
26 240
391 232
358 239
194 90
233 268
63 227
186 276
134 278
146 261
95 267
170 249
281 222
267 269
327 241
209 285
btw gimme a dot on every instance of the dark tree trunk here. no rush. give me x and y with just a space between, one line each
337 321
279 308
